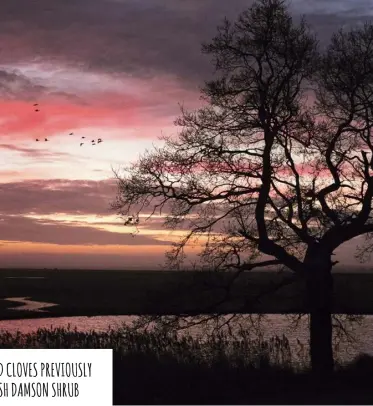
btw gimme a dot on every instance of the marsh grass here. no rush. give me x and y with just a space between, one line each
163 367
242 350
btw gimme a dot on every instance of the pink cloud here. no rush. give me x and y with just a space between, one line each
135 104
20 118
306 169
35 153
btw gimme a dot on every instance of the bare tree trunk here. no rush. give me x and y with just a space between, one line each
320 297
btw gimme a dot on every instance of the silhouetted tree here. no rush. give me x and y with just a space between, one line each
279 161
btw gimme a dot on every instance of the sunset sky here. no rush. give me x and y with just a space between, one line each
110 69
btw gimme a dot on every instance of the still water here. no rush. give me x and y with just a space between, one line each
361 332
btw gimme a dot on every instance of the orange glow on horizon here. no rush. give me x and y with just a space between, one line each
18 247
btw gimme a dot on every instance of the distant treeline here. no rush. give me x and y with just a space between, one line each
79 293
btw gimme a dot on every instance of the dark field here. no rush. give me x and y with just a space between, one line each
88 293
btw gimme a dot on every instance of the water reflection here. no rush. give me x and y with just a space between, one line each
97 323
29 305
270 326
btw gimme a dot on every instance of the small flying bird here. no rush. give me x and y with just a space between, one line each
36 104
71 134
37 139
93 141
46 139
99 140
81 143
83 137
37 110
128 221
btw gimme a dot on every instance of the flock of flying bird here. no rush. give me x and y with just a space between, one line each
131 220
93 142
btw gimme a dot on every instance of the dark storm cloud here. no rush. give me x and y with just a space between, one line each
13 84
77 197
57 196
136 37
139 37
18 228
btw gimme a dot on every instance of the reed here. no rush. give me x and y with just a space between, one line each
162 366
